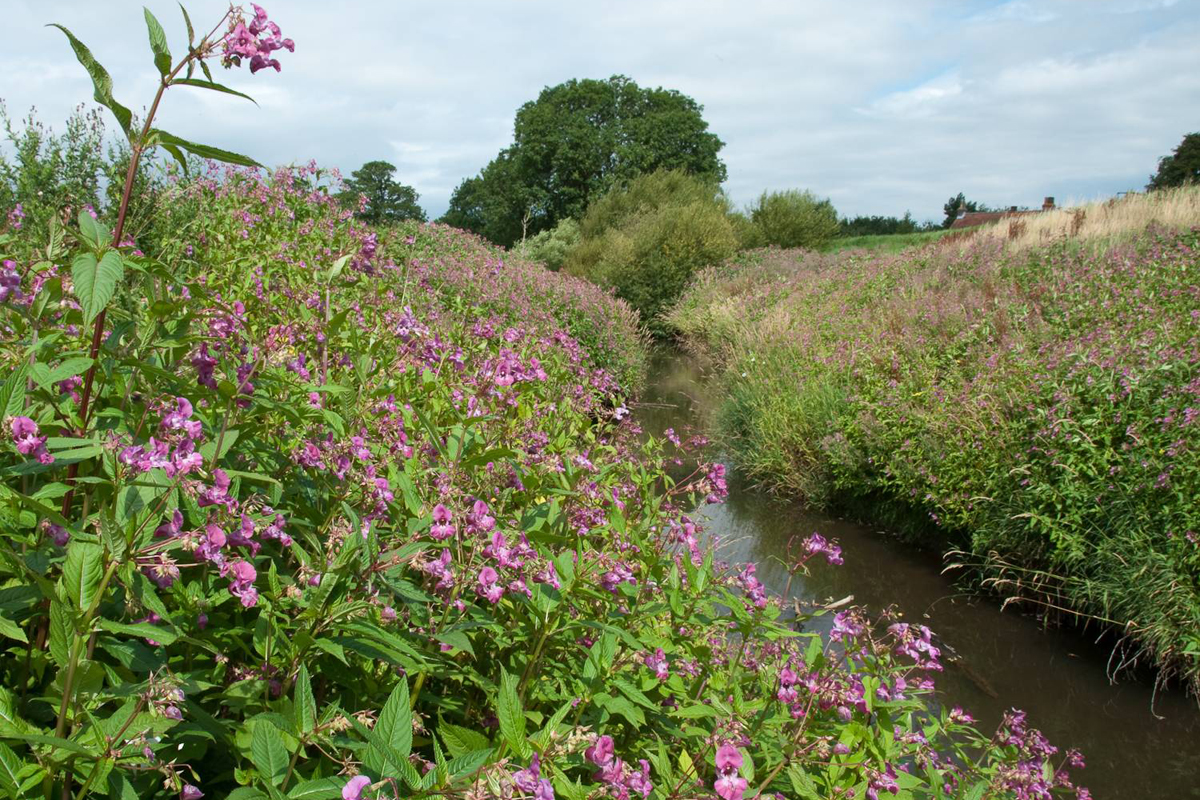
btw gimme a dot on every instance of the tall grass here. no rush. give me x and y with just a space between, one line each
1037 407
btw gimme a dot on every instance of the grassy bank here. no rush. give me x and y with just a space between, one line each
889 243
1036 405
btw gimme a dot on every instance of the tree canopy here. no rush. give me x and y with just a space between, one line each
1182 166
388 200
573 143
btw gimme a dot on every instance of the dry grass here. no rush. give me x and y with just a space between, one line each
1105 221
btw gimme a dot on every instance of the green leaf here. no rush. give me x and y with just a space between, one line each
305 706
158 633
158 43
511 715
82 573
10 768
188 22
216 87
12 393
68 369
458 640
204 150
101 81
460 741
92 231
802 784
95 282
60 633
393 730
268 754
12 630
318 789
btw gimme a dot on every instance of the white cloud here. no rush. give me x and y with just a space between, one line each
881 106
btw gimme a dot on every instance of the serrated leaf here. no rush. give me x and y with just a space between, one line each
158 44
82 573
95 282
60 633
802 784
206 151
318 789
92 231
511 715
101 81
12 630
10 768
68 369
190 30
268 754
460 741
305 706
143 630
12 392
393 730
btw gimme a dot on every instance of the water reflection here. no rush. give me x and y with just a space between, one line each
1003 659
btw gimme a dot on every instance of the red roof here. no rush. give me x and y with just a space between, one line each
972 218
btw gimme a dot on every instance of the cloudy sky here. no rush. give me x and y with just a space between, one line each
881 105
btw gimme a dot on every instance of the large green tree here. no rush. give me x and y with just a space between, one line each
388 200
1181 167
573 143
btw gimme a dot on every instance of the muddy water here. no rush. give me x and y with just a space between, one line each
1138 742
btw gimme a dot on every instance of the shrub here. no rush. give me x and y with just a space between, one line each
794 219
647 239
551 247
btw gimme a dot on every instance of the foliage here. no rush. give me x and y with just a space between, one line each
1035 409
551 247
647 239
794 219
572 144
883 226
353 513
957 204
1181 168
378 198
49 172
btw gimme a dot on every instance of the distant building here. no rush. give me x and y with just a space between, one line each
970 219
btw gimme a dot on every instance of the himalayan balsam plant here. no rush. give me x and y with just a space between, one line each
296 508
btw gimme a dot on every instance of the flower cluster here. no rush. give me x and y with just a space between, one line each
730 785
255 41
620 780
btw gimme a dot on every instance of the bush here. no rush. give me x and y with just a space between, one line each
794 219
647 239
551 247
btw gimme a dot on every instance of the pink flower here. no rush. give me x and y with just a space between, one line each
27 436
601 753
441 528
728 758
353 790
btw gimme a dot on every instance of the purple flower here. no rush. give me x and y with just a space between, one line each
27 436
354 788
488 586
601 753
441 528
191 792
729 784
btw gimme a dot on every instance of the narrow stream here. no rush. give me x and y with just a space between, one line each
1138 743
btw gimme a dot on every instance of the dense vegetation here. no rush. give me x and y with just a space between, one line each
1035 407
294 507
1181 167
